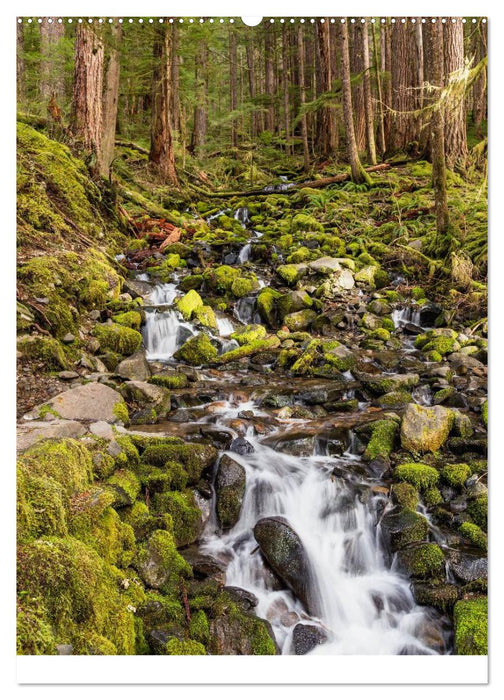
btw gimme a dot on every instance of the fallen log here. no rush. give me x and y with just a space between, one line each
132 146
146 204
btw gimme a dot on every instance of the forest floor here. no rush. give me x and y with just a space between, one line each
160 328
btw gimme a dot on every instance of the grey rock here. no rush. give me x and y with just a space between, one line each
134 367
230 489
307 637
102 429
93 401
30 433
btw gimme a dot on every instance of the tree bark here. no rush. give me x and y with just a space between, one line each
358 172
405 93
455 119
52 76
382 144
286 85
233 83
254 123
88 90
110 100
479 110
269 78
327 132
201 109
355 32
368 99
302 96
435 34
162 154
175 79
386 69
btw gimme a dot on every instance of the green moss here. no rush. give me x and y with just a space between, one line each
220 279
408 527
206 316
34 632
432 496
130 319
249 333
478 510
305 362
475 535
41 506
418 294
380 334
302 254
244 286
456 474
195 457
388 324
423 560
300 320
484 412
421 476
186 647
78 591
291 273
126 487
66 461
441 345
186 515
394 398
188 304
140 519
199 628
249 349
191 282
45 349
128 456
120 411
405 495
159 563
170 381
248 628
471 625
169 477
124 341
266 305
197 351
381 444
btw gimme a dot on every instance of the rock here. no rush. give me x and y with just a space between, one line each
95 314
137 288
93 401
425 429
385 383
429 313
188 304
324 266
230 489
423 561
306 637
197 351
64 649
102 429
291 273
29 434
67 375
300 320
147 394
285 553
68 338
134 367
241 633
293 301
403 528
244 598
241 446
204 565
442 597
471 626
467 567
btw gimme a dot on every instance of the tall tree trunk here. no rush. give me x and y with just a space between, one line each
327 124
175 79
386 69
162 154
286 84
455 120
368 99
358 172
110 100
382 144
269 78
357 67
20 63
201 109
254 123
405 95
437 139
302 96
88 90
479 110
233 83
52 76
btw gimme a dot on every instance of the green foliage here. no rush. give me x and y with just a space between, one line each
471 624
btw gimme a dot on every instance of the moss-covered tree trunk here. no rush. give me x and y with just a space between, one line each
358 172
455 119
302 96
161 153
356 31
269 78
20 64
110 99
386 69
479 107
435 34
286 85
327 131
233 83
87 102
382 144
368 98
175 79
254 122
200 125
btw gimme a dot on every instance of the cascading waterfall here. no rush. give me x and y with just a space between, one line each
364 606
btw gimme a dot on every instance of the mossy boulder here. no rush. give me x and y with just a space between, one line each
130 319
456 474
229 489
197 351
300 320
403 528
267 301
425 429
421 476
184 512
474 535
394 399
44 349
293 301
246 335
176 380
134 367
338 355
471 626
423 561
159 564
234 631
381 443
184 647
291 274
67 462
42 505
384 384
405 495
441 596
125 485
116 338
478 510
373 276
253 348
188 304
206 316
244 286
195 457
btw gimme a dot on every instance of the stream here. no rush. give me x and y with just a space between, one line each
364 605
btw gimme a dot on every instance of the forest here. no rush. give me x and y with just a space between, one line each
252 336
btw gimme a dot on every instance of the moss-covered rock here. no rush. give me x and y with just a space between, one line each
471 626
159 564
206 316
230 489
130 319
474 534
67 462
45 349
195 457
299 320
381 444
405 495
184 647
125 485
197 351
120 339
425 429
246 335
252 348
421 476
456 474
404 528
236 632
188 304
423 561
478 510
384 384
41 505
177 380
185 514
267 301
291 274
244 286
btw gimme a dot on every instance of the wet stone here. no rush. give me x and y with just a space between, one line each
241 446
307 637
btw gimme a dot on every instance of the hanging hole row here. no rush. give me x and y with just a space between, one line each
222 20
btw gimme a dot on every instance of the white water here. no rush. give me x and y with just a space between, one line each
244 253
225 326
365 607
408 314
